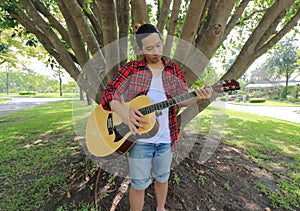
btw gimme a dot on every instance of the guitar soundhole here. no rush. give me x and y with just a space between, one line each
110 124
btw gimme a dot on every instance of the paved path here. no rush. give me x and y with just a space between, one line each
291 114
17 103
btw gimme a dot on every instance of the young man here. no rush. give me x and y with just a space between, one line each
159 79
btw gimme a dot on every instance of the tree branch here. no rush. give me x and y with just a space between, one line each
172 27
123 23
190 26
235 18
98 27
252 15
81 22
294 20
50 40
212 32
271 31
56 24
74 35
163 13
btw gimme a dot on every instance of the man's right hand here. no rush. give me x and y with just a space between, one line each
130 116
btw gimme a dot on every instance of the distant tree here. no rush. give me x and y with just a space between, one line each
16 47
282 62
262 73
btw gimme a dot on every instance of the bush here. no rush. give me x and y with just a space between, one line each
27 93
257 100
295 92
257 94
283 94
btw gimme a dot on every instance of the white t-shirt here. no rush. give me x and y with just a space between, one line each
157 94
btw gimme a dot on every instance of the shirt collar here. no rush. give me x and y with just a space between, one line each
143 62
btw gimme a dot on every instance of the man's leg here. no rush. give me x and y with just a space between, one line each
136 199
161 192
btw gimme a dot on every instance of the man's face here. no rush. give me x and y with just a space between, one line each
152 48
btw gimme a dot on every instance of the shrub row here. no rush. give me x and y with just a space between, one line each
27 93
257 100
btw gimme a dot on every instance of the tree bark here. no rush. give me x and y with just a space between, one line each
84 27
212 32
139 12
172 27
250 51
163 13
123 23
189 29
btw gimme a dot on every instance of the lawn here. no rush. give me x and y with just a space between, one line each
35 146
273 144
39 95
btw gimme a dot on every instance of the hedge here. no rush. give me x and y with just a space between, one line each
257 100
27 93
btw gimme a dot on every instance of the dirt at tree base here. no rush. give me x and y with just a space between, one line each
226 181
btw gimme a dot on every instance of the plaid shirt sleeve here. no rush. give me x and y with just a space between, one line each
117 86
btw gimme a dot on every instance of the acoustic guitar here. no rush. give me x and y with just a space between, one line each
106 133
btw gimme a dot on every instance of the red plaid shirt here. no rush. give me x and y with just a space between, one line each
134 79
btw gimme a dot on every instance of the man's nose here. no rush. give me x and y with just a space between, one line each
155 50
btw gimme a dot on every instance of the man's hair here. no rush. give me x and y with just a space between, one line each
144 31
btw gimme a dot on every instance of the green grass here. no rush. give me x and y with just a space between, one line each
40 95
4 100
35 144
273 144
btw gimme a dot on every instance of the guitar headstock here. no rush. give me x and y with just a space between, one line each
226 86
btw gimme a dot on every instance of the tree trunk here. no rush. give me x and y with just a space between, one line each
163 13
172 27
81 95
211 32
89 99
189 29
60 84
139 12
123 24
7 79
110 34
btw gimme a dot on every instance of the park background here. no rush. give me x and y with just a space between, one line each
64 35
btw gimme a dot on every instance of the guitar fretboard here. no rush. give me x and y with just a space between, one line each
167 103
222 86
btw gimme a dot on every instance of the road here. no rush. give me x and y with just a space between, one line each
291 114
17 104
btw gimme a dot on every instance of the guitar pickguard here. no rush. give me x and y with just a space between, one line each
120 131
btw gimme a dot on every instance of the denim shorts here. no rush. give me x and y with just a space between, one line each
148 161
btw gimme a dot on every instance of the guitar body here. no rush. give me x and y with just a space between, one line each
106 133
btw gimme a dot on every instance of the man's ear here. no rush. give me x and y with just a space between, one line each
139 50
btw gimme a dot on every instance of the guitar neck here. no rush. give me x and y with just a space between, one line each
222 86
167 103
